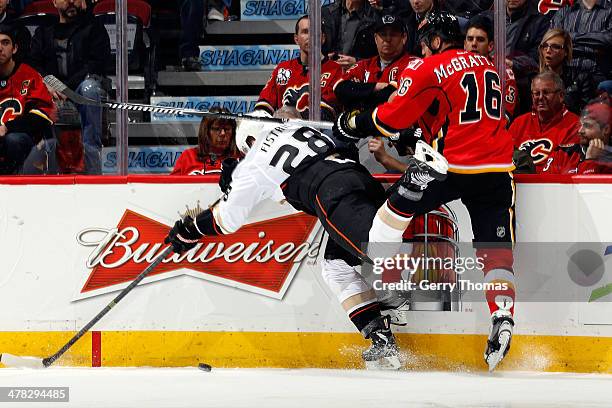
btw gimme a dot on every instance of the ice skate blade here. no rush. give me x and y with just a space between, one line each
398 317
497 356
384 363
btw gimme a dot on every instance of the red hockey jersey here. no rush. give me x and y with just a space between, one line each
369 70
571 160
25 101
188 164
288 85
541 141
455 98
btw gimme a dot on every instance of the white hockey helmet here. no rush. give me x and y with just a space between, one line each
251 129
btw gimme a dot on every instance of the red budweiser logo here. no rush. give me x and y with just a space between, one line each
261 257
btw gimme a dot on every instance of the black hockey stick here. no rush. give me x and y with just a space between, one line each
57 85
10 360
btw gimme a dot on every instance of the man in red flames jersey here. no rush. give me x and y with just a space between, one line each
372 81
289 83
549 126
454 95
25 105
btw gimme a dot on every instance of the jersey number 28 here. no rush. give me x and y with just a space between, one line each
314 141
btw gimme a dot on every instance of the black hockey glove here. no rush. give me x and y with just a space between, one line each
183 236
344 128
227 169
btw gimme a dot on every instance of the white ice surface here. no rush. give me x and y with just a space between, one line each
271 388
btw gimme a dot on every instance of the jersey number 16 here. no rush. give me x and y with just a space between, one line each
492 97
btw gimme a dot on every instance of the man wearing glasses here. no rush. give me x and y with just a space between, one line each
549 124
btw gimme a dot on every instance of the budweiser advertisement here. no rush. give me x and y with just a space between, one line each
261 257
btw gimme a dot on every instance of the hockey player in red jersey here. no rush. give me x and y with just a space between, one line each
288 84
454 96
25 103
479 38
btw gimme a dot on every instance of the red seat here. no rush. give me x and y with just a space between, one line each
138 8
39 7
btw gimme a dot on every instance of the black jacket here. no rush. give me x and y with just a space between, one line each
363 43
88 50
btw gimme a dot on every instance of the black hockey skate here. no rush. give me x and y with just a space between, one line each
499 340
383 354
395 305
424 167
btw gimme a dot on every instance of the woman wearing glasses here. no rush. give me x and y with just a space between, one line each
216 142
555 53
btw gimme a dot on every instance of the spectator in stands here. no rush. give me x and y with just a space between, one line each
23 38
549 125
373 80
589 23
593 155
216 142
25 104
479 38
289 83
76 51
555 55
420 9
524 30
349 27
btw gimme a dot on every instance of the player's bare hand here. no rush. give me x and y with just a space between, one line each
3 130
375 4
346 61
596 149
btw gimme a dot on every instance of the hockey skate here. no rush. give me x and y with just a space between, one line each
499 340
395 304
383 354
424 167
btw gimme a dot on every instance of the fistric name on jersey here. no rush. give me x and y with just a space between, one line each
271 137
460 63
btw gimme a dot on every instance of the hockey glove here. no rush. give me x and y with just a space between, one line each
183 236
227 169
345 128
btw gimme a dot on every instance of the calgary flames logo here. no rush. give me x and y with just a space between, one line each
544 6
538 149
261 257
297 97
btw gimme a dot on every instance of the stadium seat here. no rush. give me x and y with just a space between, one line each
141 46
38 13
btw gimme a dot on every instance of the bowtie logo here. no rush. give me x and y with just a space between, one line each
262 257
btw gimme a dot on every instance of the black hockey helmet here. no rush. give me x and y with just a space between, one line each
440 23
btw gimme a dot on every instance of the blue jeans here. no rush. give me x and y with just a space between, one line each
14 148
192 25
91 124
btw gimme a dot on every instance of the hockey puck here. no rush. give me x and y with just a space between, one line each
204 367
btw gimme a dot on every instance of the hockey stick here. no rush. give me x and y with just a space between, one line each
59 86
10 360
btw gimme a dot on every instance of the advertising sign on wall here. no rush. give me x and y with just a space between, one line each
275 9
143 159
235 104
245 57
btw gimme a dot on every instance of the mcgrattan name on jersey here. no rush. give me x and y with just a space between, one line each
460 63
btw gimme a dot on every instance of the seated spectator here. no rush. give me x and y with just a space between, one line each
372 81
593 155
549 126
23 38
289 83
589 23
349 28
216 142
479 38
420 8
604 91
556 52
26 106
76 51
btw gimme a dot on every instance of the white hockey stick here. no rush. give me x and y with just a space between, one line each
57 85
